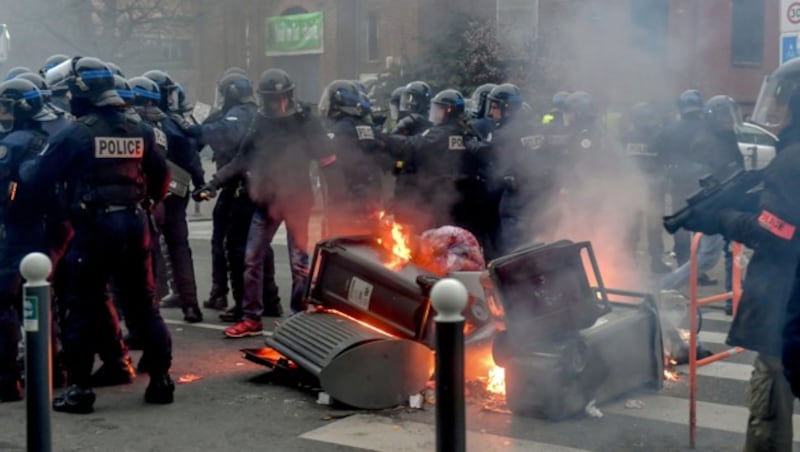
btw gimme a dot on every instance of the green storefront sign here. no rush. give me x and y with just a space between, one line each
296 34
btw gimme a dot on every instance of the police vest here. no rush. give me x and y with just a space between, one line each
115 176
18 153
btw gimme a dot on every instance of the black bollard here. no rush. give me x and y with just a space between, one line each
35 268
449 298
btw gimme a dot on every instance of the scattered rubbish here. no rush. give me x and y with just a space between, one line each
415 401
323 398
593 411
633 404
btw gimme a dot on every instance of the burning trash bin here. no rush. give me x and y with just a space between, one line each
562 342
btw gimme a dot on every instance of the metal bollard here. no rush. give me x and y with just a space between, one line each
449 298
35 268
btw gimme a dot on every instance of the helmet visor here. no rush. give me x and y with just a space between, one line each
57 77
278 105
437 113
325 102
772 109
173 99
394 112
6 115
409 103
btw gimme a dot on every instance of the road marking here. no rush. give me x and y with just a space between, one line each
380 433
712 337
716 315
208 326
722 369
727 418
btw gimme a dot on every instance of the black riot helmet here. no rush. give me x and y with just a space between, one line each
39 82
581 105
341 97
123 89
168 88
394 103
559 101
446 105
724 111
506 99
234 70
20 101
276 91
690 102
479 99
778 104
115 69
146 92
234 89
89 81
184 104
51 62
416 98
15 71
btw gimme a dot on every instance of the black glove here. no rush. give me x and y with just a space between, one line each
204 193
706 222
194 131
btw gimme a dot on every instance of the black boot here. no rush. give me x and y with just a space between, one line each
192 314
273 309
171 301
114 373
161 390
10 389
232 315
75 400
217 302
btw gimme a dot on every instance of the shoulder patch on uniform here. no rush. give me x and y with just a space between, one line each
118 147
3 152
365 133
425 133
586 143
161 137
532 142
456 143
231 118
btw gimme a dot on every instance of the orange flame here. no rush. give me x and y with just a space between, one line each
671 375
496 383
394 238
188 378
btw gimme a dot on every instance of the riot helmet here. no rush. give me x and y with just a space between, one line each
276 91
394 103
724 111
778 103
20 101
39 82
416 98
168 88
446 105
504 101
580 109
123 90
341 97
234 89
559 101
234 70
479 99
689 102
185 105
15 71
115 69
146 92
51 62
88 79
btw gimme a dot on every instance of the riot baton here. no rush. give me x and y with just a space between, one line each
449 298
35 268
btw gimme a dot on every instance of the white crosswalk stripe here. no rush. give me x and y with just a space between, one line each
201 230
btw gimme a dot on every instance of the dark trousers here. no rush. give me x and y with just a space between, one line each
111 246
175 231
221 219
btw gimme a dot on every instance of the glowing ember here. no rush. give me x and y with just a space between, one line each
496 383
188 378
395 238
671 375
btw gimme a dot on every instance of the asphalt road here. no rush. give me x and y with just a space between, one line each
234 406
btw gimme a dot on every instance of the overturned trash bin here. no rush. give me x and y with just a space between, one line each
365 339
563 343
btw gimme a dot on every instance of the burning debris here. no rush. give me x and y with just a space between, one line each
188 378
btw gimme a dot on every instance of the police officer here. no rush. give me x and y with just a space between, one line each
479 119
770 298
110 165
185 169
555 116
277 152
51 62
353 208
21 225
15 71
639 141
233 209
55 80
524 170
447 161
394 108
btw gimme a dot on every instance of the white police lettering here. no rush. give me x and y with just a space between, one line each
532 142
365 133
117 147
161 137
639 149
456 143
